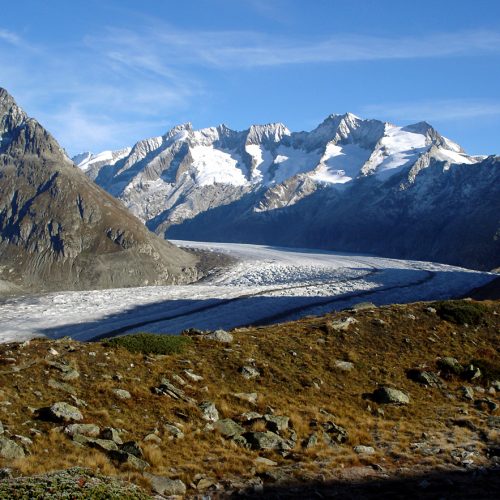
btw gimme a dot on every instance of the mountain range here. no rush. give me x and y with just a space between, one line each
59 230
350 184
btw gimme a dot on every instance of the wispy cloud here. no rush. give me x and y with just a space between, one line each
434 110
10 37
239 49
103 91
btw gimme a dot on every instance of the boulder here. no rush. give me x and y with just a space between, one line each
249 397
208 411
61 386
132 448
112 434
450 366
65 412
467 393
121 393
343 366
89 430
364 450
335 433
10 450
67 371
100 444
167 388
220 336
424 377
276 423
342 325
173 431
166 486
249 372
389 395
127 458
266 441
228 428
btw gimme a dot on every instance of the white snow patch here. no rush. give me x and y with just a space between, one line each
212 166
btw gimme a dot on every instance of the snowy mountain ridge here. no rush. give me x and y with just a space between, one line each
168 179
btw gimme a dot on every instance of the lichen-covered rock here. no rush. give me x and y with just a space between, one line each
249 372
389 395
220 336
166 486
228 428
10 450
208 411
266 441
89 430
65 412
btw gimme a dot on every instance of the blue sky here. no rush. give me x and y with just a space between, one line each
104 74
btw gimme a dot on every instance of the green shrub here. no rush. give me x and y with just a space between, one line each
149 343
461 312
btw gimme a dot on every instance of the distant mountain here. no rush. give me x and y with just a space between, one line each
58 230
349 184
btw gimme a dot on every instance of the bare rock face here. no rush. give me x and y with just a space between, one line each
58 230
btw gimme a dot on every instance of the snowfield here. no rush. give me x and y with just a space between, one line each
267 284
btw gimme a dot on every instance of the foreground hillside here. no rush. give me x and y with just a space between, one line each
368 401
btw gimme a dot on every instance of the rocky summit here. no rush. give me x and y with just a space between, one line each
58 230
416 411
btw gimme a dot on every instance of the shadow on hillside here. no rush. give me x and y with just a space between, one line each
473 484
388 286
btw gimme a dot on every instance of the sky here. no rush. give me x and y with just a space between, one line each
103 74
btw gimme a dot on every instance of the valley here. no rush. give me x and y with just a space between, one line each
261 285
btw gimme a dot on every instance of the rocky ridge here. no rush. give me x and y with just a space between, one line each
58 230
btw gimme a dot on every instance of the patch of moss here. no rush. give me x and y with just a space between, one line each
461 312
148 343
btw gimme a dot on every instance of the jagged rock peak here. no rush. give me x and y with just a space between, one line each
270 132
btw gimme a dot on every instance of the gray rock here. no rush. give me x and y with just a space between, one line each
193 376
277 423
166 486
2 430
122 393
471 372
208 411
249 372
389 395
363 306
152 438
132 448
173 431
496 385
65 412
250 416
493 422
486 404
364 450
425 378
220 336
467 393
100 444
265 461
266 441
61 386
168 389
5 473
450 365
344 366
335 433
311 441
89 430
342 325
111 434
68 372
127 458
228 428
250 397
10 450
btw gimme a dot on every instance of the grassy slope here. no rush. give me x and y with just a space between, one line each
298 379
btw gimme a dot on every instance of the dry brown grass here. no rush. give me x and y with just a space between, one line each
297 385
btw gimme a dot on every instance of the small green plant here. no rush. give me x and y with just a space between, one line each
461 312
149 343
